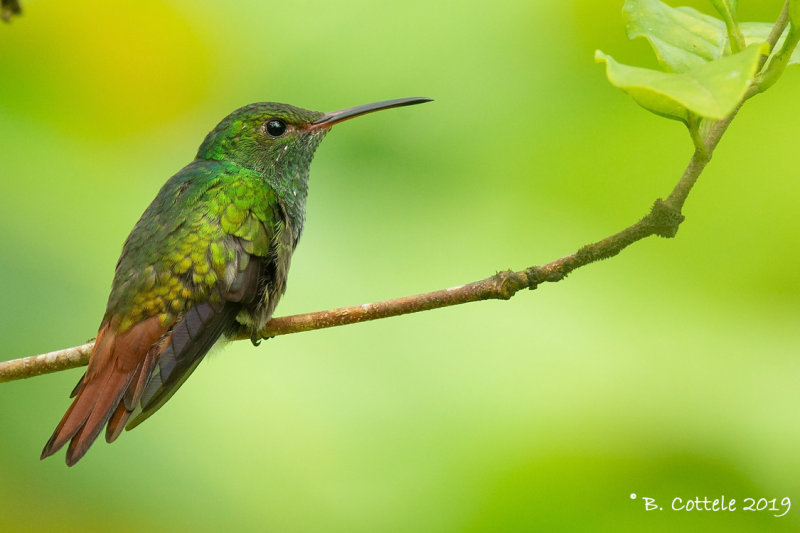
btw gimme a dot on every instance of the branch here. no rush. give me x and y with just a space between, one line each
663 220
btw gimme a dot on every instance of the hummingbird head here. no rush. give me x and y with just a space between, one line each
279 140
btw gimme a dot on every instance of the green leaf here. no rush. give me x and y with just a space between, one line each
682 38
711 90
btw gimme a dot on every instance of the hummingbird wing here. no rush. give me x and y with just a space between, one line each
195 260
181 350
189 340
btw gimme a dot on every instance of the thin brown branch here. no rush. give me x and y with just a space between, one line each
663 220
35 365
501 286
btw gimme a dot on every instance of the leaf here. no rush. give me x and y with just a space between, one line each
682 38
711 90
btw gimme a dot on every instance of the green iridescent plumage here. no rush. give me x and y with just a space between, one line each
209 256
185 243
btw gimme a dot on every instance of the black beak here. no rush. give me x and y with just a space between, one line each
334 117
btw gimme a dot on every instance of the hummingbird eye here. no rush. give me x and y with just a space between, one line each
275 127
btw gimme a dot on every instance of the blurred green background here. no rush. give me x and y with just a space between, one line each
668 371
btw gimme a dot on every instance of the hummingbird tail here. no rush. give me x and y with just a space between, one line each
133 373
117 361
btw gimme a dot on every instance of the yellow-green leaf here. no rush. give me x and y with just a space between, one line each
711 90
682 38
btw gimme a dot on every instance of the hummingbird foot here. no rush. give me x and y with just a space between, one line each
255 339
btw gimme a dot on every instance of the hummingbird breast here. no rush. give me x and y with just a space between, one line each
273 272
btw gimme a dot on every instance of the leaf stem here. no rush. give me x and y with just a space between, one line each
735 37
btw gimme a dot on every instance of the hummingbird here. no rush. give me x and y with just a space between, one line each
208 258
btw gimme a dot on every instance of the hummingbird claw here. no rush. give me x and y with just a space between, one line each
255 340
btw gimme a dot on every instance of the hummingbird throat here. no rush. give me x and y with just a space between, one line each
286 171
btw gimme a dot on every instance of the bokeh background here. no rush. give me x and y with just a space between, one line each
668 371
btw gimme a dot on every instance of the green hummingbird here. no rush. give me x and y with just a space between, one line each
208 257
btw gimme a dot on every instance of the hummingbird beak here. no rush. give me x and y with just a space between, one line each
334 117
